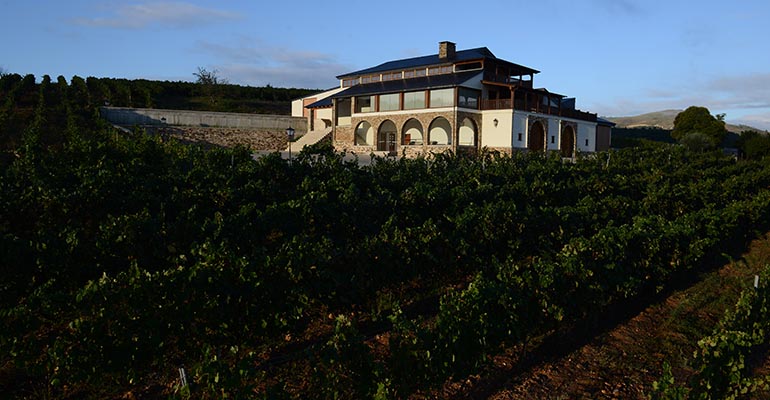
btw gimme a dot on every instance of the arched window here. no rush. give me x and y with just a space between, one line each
412 133
467 135
364 134
439 133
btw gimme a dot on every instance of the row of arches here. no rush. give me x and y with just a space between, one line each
388 137
538 139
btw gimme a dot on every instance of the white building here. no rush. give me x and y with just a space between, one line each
453 100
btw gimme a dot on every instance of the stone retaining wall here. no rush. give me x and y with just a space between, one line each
151 116
256 139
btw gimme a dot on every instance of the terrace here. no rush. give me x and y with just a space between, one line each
517 95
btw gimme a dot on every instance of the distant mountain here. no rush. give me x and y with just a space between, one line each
659 119
665 120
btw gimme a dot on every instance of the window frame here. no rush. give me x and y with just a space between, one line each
453 98
392 76
418 94
372 103
468 90
397 96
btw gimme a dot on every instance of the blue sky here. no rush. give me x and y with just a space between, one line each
618 57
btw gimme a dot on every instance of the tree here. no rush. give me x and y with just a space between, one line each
699 119
753 145
206 77
211 82
3 72
697 142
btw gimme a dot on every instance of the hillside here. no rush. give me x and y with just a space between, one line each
178 95
661 119
146 268
664 120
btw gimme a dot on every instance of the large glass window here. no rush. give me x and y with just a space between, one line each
442 98
343 112
413 100
468 98
389 102
364 104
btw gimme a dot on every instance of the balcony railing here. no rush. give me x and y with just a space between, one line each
501 104
507 104
502 78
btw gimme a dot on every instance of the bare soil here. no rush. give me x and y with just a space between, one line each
620 361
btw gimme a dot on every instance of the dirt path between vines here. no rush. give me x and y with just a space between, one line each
622 361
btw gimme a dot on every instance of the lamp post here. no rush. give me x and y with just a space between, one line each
290 134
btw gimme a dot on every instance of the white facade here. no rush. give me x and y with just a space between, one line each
509 128
500 133
461 100
298 105
297 108
586 137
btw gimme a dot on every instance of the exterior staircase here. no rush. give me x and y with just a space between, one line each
309 138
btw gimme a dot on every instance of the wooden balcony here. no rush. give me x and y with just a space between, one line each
507 104
507 79
502 104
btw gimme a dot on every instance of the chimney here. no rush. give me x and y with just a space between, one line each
446 50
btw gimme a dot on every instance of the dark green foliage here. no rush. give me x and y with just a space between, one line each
133 257
699 119
722 358
345 368
632 137
754 145
193 96
697 142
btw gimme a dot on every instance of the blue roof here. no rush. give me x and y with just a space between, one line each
405 85
323 103
424 61
605 122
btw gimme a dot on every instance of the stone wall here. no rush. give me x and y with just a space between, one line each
501 150
344 135
256 139
151 116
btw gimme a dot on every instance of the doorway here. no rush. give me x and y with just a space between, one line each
567 144
537 137
386 138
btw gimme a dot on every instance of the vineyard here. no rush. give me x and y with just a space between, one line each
128 260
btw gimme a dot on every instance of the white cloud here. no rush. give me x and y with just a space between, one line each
736 93
760 121
254 63
746 91
141 15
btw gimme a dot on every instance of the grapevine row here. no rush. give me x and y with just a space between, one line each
134 257
723 370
